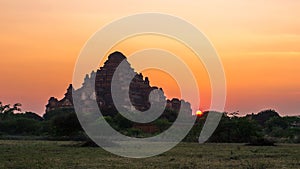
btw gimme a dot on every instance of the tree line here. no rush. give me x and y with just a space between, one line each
265 126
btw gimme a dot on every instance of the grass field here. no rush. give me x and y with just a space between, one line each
53 154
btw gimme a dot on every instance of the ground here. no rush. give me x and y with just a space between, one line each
62 154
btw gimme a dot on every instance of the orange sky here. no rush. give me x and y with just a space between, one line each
257 41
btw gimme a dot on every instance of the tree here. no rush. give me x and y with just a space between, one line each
122 122
6 110
64 124
12 123
236 129
162 124
263 116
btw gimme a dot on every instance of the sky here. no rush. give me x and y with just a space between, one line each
257 41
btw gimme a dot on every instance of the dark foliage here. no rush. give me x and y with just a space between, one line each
263 116
49 115
265 128
64 124
235 129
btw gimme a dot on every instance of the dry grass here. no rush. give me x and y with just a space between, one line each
51 154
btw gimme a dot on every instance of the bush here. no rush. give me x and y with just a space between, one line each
65 124
20 126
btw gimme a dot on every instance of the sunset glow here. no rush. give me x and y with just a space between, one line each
257 42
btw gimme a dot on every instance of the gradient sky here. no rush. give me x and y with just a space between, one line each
257 41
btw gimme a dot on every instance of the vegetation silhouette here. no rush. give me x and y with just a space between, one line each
263 128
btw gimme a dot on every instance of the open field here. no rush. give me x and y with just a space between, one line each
62 154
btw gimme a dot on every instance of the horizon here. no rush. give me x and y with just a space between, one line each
258 45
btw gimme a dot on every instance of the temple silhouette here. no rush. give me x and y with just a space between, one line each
101 81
